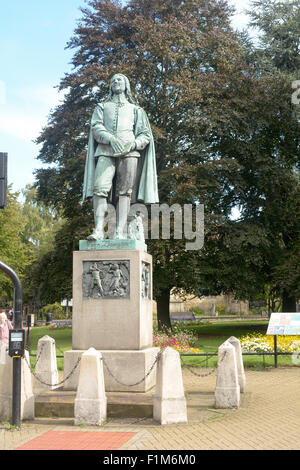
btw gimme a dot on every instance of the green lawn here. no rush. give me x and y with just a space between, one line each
209 338
63 341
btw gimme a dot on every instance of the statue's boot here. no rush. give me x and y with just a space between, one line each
100 209
123 208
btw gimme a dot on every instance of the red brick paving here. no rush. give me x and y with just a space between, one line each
78 440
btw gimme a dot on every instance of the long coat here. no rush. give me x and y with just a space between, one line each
145 190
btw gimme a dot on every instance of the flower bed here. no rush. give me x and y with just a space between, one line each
181 342
60 324
258 342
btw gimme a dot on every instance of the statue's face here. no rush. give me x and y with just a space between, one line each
118 84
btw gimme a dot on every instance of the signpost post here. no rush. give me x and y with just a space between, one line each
16 386
283 324
275 350
18 331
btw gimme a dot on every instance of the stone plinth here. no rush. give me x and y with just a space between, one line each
90 403
122 370
6 380
118 318
108 244
169 403
112 313
239 362
46 374
227 392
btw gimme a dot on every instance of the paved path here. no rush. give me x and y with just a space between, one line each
269 418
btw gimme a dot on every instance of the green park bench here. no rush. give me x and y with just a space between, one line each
182 316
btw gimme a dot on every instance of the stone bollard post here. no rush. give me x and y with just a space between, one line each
239 361
46 366
169 403
90 402
227 392
6 380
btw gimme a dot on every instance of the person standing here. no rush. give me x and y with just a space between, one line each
5 326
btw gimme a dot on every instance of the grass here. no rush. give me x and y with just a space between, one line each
209 338
8 426
63 342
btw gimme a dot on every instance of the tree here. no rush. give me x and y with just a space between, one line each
13 250
185 62
41 223
277 23
277 56
261 136
50 275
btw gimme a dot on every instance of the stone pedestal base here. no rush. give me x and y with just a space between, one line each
46 367
169 402
90 405
27 397
227 392
122 369
112 300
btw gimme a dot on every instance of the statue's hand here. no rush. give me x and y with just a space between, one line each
116 144
133 146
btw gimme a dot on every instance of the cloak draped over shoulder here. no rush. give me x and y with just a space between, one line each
145 189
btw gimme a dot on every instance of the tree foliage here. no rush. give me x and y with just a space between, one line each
277 23
41 224
277 57
226 135
185 64
14 251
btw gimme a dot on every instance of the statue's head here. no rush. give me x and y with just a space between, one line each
120 81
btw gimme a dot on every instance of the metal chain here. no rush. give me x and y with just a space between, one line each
203 375
109 371
63 352
38 358
57 384
195 373
140 381
112 375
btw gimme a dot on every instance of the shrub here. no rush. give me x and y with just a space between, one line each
197 311
56 309
178 339
221 309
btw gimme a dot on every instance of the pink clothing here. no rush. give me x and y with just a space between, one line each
4 331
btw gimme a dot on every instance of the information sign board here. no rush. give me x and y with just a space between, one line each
284 324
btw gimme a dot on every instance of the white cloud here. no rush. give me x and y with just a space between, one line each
20 125
25 110
240 20
43 96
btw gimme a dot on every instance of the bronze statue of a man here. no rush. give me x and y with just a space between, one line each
120 164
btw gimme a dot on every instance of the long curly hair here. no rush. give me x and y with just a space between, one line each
128 93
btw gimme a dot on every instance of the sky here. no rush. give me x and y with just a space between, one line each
33 37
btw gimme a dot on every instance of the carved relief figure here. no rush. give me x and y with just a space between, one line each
146 281
106 279
96 281
117 285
